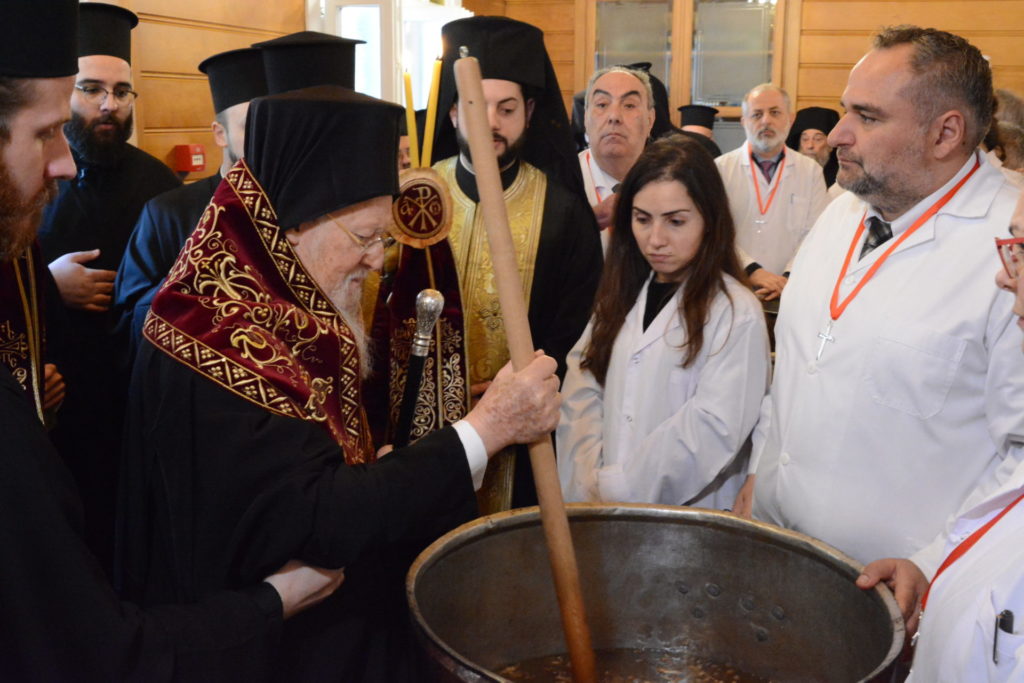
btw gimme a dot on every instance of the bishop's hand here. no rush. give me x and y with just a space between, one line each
518 407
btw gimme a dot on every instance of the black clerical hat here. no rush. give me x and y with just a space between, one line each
507 49
308 58
39 39
818 118
105 30
697 115
320 149
235 76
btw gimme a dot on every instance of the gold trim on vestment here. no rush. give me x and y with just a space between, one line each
486 343
276 336
16 346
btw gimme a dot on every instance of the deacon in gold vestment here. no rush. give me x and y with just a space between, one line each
557 243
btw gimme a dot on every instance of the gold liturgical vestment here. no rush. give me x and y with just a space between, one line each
486 344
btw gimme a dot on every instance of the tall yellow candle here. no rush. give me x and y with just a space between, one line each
428 131
410 122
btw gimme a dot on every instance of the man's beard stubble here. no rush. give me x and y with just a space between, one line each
101 149
511 153
19 217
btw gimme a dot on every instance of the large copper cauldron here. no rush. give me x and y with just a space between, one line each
769 602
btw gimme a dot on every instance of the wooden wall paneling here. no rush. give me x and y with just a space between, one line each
178 47
495 8
279 16
583 39
172 37
682 59
834 34
175 101
556 18
791 53
544 14
949 15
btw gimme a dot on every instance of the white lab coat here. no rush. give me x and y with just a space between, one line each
657 432
799 201
957 633
919 397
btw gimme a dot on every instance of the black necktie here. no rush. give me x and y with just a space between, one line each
878 233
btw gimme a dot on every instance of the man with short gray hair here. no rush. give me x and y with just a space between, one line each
619 117
775 193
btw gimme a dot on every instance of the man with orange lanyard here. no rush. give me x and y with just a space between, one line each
899 387
975 607
775 195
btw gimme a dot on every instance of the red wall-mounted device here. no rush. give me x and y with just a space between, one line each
189 158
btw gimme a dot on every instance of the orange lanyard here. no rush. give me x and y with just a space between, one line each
836 307
959 551
757 186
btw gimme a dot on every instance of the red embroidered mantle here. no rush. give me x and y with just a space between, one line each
239 308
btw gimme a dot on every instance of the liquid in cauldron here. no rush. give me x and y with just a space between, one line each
622 665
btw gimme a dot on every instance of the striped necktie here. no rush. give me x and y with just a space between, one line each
878 233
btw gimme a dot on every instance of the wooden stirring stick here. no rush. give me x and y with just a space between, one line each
520 343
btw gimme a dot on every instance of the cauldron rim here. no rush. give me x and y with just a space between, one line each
469 532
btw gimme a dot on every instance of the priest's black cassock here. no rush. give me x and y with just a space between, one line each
61 620
246 440
97 209
165 223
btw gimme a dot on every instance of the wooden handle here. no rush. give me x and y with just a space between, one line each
473 110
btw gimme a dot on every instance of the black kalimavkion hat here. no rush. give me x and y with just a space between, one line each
39 39
105 30
235 76
308 58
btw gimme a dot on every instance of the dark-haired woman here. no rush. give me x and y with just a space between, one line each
665 384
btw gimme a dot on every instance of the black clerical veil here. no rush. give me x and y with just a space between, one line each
42 42
320 149
818 118
512 51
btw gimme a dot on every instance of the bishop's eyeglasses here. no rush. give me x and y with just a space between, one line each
383 238
97 94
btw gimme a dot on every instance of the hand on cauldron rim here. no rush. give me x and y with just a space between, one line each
744 503
907 583
518 407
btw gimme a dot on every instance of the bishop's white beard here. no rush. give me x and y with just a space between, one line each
349 304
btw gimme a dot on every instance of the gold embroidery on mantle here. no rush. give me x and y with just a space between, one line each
486 344
279 335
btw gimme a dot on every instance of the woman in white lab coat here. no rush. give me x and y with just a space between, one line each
665 384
